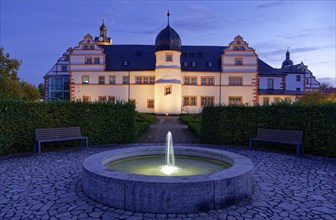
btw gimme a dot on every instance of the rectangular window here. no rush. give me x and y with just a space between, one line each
270 83
288 99
101 98
85 47
203 80
193 81
66 58
88 60
96 60
189 101
145 80
207 80
235 81
112 80
85 79
190 80
138 80
277 99
111 99
207 100
307 81
125 80
298 78
150 103
168 90
235 100
64 68
169 57
91 47
101 79
238 61
298 89
151 79
86 98
266 100
186 80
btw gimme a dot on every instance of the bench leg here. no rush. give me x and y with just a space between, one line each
298 149
302 148
87 142
39 147
250 144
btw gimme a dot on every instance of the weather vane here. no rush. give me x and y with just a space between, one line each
168 14
103 19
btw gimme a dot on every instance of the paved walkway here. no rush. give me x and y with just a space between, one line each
48 186
157 131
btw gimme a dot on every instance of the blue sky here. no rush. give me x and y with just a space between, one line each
39 31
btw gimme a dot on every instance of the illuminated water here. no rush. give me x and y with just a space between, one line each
153 164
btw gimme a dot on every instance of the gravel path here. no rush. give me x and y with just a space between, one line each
48 186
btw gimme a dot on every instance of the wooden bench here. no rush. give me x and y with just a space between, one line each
280 136
57 134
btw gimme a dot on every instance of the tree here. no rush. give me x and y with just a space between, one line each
10 84
41 90
30 92
8 67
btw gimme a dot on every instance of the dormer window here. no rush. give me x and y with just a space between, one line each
66 58
185 64
209 64
91 47
169 57
125 63
193 64
238 42
235 48
241 48
85 47
238 61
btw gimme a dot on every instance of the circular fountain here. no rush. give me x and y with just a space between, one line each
109 178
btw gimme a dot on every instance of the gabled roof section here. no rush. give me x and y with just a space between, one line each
267 70
297 68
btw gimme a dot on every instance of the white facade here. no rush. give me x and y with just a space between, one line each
171 81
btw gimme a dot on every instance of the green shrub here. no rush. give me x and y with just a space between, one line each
234 125
143 120
103 123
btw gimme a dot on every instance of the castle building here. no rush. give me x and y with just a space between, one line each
171 78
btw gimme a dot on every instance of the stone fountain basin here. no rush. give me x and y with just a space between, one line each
167 194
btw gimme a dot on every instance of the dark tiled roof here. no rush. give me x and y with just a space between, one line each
292 69
265 69
193 58
278 92
168 39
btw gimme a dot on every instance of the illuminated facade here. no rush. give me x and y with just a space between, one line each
169 78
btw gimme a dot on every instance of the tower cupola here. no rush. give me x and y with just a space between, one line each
168 39
287 61
103 39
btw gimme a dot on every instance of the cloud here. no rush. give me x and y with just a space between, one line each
309 32
329 80
269 5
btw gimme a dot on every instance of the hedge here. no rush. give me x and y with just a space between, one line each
103 123
234 125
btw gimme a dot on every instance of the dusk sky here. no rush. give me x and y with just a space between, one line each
38 32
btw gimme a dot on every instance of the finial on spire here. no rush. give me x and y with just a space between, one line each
168 14
287 48
103 20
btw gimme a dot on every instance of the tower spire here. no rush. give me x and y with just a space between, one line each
103 20
168 14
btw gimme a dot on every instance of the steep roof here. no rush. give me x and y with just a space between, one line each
193 58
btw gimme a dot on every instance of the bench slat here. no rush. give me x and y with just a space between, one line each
55 133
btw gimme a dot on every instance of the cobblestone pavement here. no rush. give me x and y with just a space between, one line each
48 186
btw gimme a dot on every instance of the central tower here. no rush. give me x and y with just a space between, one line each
168 72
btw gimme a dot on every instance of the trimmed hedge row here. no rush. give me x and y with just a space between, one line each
194 123
234 125
103 123
143 120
